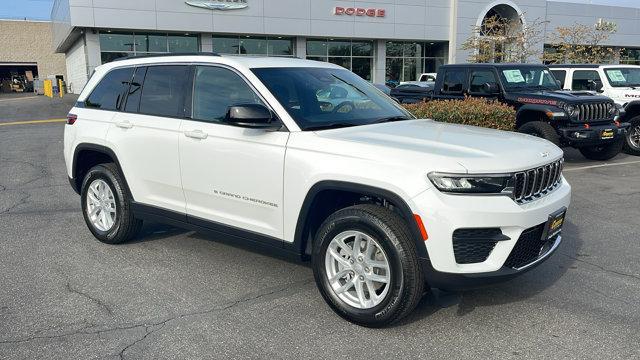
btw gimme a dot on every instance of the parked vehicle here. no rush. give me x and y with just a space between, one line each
619 82
578 119
411 93
423 78
384 88
383 204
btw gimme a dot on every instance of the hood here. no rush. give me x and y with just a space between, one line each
565 96
440 146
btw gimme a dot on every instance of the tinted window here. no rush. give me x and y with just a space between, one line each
135 90
479 78
560 75
216 89
109 93
453 80
163 90
585 80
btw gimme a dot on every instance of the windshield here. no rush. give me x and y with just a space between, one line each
623 77
528 77
324 98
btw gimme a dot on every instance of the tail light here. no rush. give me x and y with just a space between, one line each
71 119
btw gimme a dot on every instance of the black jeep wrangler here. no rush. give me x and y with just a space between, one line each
578 119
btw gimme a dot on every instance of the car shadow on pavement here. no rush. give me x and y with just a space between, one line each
515 290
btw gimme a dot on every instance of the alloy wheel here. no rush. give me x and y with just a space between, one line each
101 205
357 269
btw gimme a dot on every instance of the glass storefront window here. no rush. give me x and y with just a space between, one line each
253 45
355 55
406 60
114 45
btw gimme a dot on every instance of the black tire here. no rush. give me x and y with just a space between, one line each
632 147
125 226
407 284
542 130
602 152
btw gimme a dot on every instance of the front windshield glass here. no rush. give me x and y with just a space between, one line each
623 77
325 98
528 77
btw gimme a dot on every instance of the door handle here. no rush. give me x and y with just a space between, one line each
124 124
196 134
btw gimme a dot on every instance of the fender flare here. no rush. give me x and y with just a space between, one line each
542 109
634 104
394 198
99 149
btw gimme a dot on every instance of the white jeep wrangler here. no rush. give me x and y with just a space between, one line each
384 205
621 83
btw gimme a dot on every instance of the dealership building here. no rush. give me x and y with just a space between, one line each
380 40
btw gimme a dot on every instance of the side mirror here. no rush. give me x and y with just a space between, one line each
253 116
491 88
595 85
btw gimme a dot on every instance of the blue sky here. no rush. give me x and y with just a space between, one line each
41 9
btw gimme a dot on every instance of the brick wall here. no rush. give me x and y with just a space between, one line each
30 41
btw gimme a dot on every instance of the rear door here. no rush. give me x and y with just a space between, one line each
231 176
454 83
145 135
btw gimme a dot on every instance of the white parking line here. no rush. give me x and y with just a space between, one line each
18 98
601 165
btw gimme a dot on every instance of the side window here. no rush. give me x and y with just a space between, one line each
453 81
110 91
479 78
135 90
585 80
164 89
215 90
560 75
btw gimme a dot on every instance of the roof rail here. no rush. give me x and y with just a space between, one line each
166 55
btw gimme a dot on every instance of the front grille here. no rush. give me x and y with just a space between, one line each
529 247
475 245
592 112
534 183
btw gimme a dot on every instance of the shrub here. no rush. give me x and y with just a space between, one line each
470 111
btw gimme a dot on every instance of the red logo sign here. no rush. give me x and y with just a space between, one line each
351 11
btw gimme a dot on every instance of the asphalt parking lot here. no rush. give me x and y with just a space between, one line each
176 294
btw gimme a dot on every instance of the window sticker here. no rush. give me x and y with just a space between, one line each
513 76
616 76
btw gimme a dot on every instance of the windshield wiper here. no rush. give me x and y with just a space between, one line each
391 119
327 126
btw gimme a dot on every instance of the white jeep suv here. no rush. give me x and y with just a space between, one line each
384 205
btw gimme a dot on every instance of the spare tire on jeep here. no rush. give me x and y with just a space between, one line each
542 130
603 151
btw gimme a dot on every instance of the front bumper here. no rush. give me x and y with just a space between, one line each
580 136
443 214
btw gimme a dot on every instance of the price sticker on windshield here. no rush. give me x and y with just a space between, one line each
513 76
616 76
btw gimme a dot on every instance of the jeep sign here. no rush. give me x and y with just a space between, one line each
353 11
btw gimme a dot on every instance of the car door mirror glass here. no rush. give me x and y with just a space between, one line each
491 88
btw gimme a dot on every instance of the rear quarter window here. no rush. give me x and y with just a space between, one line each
111 90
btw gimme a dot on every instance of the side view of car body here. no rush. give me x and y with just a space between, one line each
384 205
621 83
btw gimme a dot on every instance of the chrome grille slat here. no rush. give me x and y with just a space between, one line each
534 183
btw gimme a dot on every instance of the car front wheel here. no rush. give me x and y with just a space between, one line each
632 145
366 267
602 152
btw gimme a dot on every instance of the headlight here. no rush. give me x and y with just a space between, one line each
571 110
472 184
613 109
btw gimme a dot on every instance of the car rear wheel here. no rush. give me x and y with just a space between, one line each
106 205
365 265
602 152
542 130
632 143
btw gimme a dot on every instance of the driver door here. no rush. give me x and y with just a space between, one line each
231 175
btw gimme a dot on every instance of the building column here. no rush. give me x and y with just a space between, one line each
380 62
453 31
92 51
206 42
301 47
